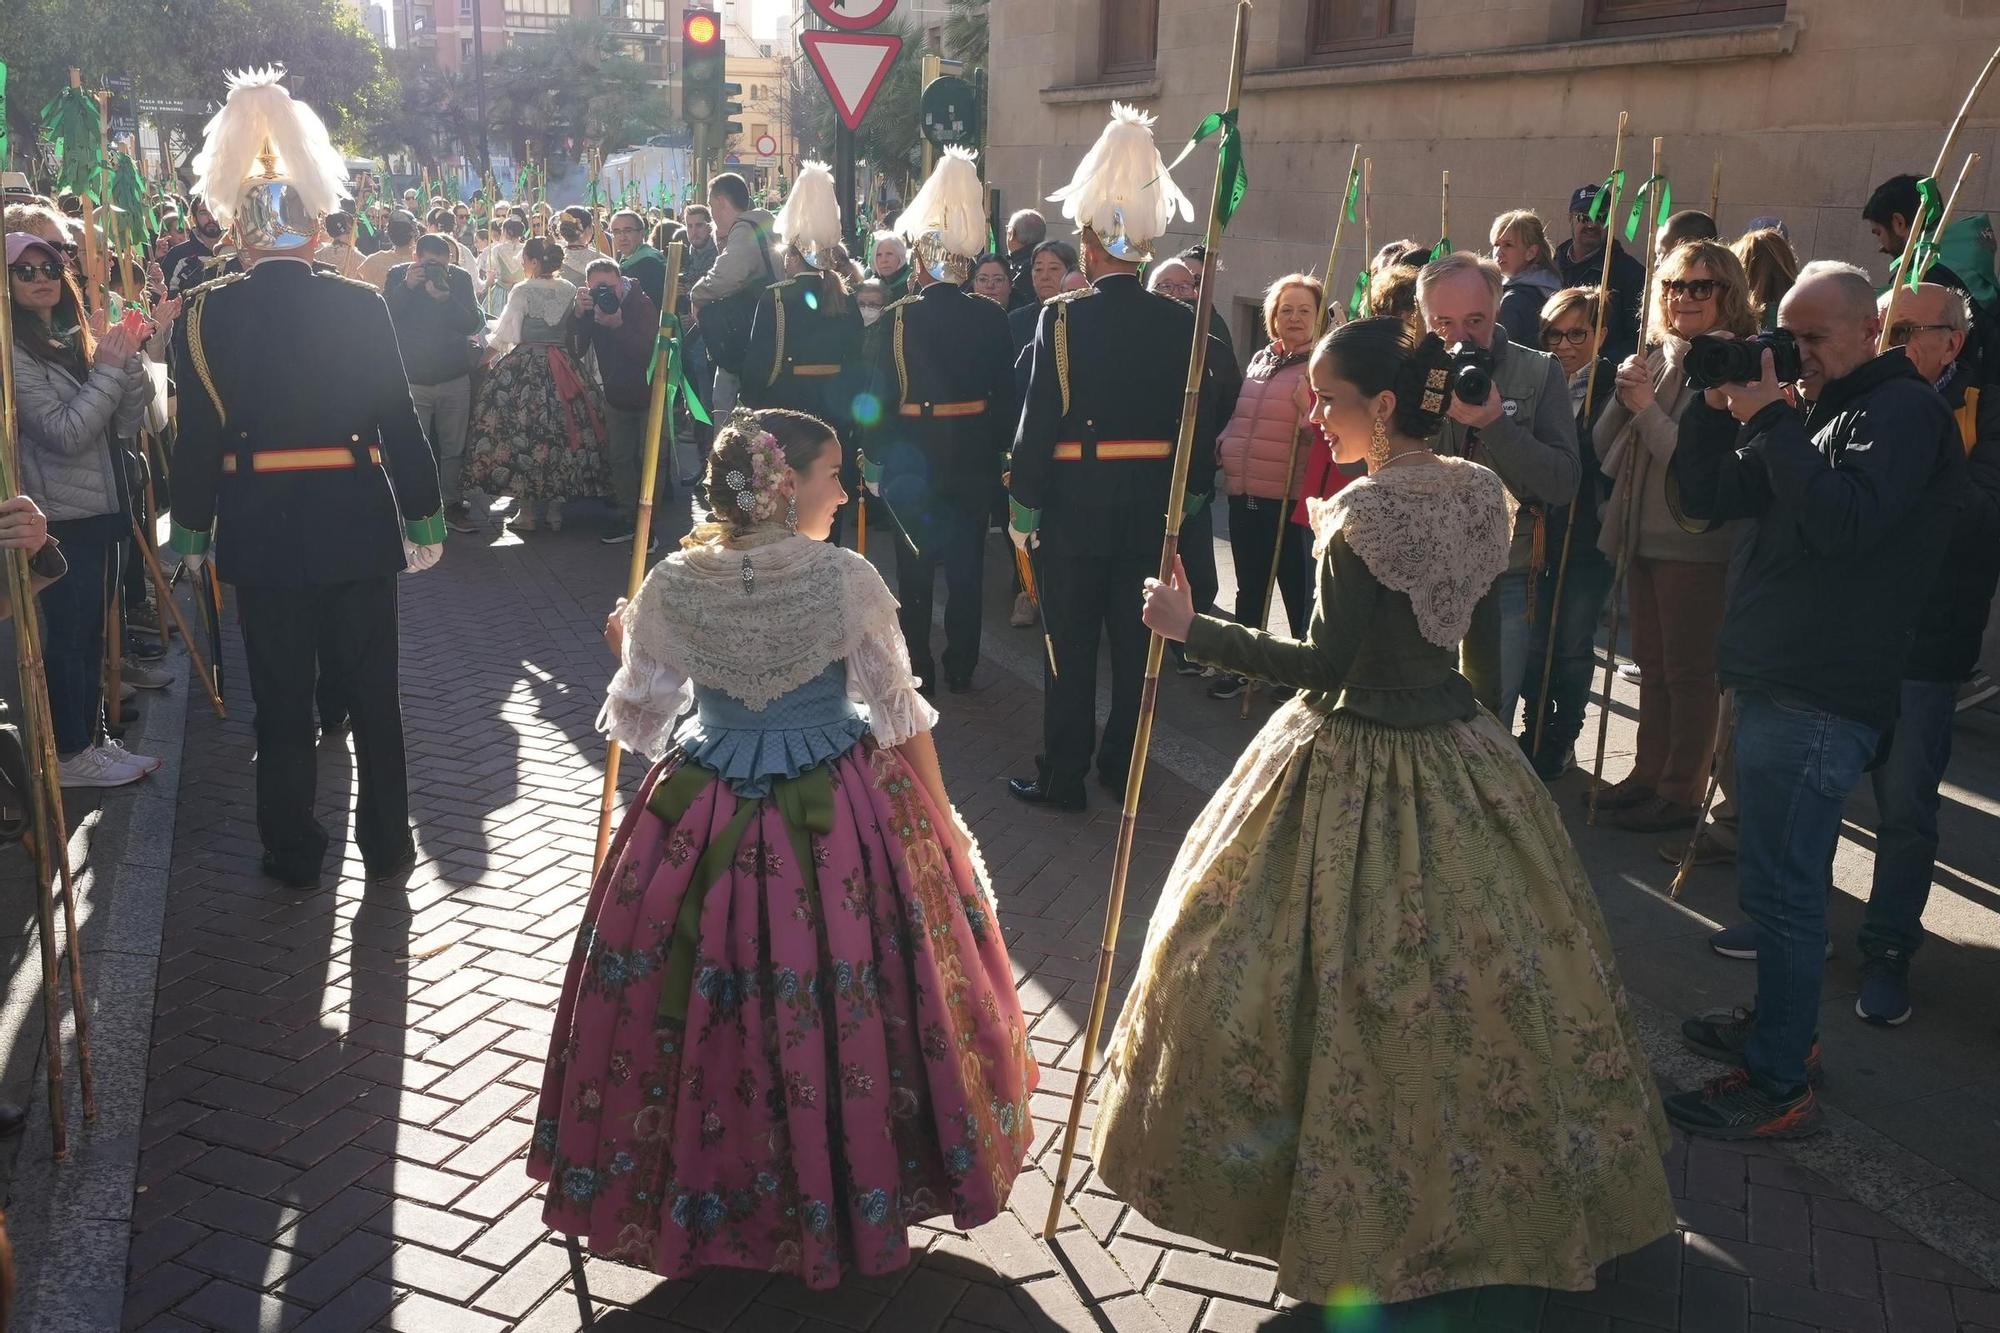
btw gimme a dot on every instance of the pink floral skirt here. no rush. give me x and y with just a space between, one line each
830 1054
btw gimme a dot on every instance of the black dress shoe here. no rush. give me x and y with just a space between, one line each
1112 783
402 863
959 684
1032 791
292 877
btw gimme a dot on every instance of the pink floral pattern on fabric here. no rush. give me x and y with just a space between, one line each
853 1062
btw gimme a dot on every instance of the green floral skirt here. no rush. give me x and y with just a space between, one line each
1378 1034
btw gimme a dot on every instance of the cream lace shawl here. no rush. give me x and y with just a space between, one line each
810 604
1437 533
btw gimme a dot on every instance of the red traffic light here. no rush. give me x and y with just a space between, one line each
700 27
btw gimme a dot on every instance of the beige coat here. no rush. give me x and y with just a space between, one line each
1635 450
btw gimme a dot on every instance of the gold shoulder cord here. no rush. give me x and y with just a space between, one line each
1062 353
199 355
777 353
902 367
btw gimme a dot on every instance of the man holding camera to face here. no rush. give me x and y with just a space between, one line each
1510 410
1855 492
435 314
615 316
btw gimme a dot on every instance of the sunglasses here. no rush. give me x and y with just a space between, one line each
1557 337
1695 289
1900 334
48 268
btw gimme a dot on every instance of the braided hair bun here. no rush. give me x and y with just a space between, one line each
1378 355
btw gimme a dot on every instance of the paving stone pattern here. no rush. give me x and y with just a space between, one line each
341 1083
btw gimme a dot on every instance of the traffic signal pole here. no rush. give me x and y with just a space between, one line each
843 188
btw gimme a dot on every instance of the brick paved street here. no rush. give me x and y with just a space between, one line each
339 1085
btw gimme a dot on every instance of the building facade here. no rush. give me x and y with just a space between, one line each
1807 104
764 153
447 31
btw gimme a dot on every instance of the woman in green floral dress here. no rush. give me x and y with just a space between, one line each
1377 1033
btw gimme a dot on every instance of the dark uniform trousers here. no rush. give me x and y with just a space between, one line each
349 630
955 538
1088 593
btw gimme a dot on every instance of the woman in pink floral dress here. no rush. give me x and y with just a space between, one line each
789 1029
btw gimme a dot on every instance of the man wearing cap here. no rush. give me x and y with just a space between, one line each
1094 456
1581 259
944 377
300 452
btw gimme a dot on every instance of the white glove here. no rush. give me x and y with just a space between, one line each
1026 541
874 488
192 562
417 559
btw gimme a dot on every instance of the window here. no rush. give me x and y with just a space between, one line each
465 9
465 50
1360 27
535 13
1130 36
1617 17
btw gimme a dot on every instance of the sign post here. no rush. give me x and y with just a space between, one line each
852 65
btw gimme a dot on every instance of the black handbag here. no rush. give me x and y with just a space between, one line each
726 322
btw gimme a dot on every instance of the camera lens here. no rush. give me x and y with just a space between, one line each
1472 386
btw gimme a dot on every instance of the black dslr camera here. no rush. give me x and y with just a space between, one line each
1471 374
605 299
1713 362
436 272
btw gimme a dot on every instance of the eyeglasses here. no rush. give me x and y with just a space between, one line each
48 268
1900 334
1695 289
1575 337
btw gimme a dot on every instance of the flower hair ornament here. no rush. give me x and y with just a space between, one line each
766 490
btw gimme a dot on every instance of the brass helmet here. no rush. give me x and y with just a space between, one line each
267 166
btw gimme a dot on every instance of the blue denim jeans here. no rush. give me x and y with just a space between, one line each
1795 765
1512 589
73 612
1906 834
1584 587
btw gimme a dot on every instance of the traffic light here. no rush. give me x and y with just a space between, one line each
731 109
701 71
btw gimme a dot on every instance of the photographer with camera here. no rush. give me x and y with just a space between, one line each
616 318
1510 409
1675 577
435 314
1855 497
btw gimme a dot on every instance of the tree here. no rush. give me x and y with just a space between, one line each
965 32
574 88
889 136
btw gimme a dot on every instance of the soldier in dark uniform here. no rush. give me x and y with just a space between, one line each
805 337
1094 458
300 450
944 379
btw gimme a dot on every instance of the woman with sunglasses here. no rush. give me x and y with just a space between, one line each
1676 577
1569 333
80 391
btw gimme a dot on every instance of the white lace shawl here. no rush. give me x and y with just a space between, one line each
547 299
810 604
1437 533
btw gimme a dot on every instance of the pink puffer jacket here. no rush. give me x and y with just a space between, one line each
1254 445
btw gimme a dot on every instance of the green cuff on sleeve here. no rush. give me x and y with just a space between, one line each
426 531
1025 519
871 471
186 541
1191 504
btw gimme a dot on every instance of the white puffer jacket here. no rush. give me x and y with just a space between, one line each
68 431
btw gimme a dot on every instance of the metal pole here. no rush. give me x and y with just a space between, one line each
479 81
649 478
1142 739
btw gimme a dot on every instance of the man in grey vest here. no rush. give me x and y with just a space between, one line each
1525 430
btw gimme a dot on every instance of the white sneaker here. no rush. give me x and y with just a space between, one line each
144 762
1629 671
97 767
145 677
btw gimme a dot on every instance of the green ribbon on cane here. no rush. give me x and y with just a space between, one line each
1233 179
1357 300
1930 212
805 804
1440 250
1353 201
1605 204
1664 207
677 380
70 122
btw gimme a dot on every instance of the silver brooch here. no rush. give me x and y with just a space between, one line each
749 574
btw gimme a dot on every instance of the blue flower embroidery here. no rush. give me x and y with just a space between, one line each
788 983
621 1164
958 1160
874 1206
545 1135
843 976
611 969
580 1184
817 1217
766 1183
1004 1113
709 1212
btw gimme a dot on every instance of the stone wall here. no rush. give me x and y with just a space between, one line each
1512 98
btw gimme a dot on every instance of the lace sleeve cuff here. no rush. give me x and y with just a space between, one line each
639 709
878 675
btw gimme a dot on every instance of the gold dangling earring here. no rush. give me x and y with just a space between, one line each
1378 446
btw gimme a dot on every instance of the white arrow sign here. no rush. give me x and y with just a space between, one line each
852 65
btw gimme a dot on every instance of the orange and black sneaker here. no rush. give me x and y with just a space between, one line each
1725 1036
1735 1106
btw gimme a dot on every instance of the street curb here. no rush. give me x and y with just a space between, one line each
71 1222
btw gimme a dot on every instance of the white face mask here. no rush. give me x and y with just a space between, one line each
869 314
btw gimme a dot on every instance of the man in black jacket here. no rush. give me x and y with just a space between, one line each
1581 259
435 313
1854 499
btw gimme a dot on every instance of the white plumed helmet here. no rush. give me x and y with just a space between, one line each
1121 191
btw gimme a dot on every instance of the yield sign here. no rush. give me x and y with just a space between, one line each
852 65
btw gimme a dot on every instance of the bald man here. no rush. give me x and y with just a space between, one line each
1855 493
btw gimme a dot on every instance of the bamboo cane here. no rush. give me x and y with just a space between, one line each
1589 398
649 477
1628 476
1320 322
1715 190
1911 253
1724 738
173 609
1135 775
1944 156
51 834
1367 211
1444 211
